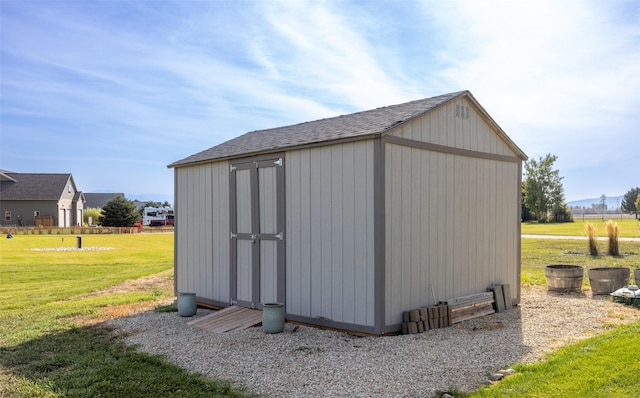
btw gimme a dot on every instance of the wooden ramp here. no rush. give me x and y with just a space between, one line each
228 319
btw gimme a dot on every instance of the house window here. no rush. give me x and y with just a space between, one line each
69 188
462 112
7 216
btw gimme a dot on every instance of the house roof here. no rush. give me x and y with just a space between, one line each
97 200
26 186
4 176
352 126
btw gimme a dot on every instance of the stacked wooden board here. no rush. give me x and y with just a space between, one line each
471 306
422 319
496 299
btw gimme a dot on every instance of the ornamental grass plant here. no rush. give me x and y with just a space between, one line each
613 231
592 234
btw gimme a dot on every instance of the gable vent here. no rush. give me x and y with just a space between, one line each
462 111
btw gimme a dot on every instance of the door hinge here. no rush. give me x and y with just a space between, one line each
278 162
280 235
232 168
233 236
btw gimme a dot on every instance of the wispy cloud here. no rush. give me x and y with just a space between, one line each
120 80
566 62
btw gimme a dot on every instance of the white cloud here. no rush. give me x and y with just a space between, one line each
554 74
321 47
559 77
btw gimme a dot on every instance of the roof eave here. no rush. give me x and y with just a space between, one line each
363 137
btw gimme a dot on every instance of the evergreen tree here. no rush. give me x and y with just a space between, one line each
629 201
119 212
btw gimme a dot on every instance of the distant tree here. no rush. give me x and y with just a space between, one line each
603 202
525 213
543 190
119 212
637 204
629 201
562 214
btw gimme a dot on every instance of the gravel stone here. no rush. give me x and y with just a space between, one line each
71 249
310 362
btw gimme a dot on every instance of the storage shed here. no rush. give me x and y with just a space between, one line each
351 220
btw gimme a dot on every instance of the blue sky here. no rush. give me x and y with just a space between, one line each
114 91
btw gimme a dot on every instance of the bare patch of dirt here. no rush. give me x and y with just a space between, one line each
162 281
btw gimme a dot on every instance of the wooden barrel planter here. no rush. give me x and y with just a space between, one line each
636 275
608 280
564 278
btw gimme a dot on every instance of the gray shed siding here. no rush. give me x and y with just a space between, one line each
202 226
452 217
330 233
412 199
442 127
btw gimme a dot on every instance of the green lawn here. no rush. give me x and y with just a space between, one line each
538 253
629 228
603 366
44 349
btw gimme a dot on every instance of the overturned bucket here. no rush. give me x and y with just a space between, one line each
273 317
187 304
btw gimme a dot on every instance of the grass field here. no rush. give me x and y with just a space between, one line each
603 366
629 228
538 253
51 301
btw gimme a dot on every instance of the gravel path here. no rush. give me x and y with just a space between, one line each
309 362
570 237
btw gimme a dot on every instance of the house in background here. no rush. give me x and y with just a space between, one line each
351 220
48 200
98 200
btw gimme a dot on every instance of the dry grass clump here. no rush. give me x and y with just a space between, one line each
613 231
592 233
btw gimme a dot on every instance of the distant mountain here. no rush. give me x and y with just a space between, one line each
613 202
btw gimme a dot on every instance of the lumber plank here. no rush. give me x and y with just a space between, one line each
480 304
474 315
499 298
228 319
506 290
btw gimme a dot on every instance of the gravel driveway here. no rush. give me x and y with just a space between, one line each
309 362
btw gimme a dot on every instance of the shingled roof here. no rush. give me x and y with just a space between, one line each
26 186
98 200
355 125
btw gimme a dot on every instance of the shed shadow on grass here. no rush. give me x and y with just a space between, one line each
92 361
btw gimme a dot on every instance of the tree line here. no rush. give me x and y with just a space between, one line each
543 193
